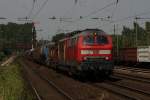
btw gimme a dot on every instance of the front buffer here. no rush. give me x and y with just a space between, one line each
96 67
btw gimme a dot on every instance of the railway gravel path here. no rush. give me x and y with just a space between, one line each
43 89
123 88
74 88
134 72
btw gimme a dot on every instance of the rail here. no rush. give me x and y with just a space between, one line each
38 97
114 90
131 77
55 86
66 96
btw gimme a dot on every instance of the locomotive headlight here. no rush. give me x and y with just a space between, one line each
104 51
86 52
106 58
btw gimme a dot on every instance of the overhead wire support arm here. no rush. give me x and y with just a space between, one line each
25 19
141 18
3 18
126 18
102 18
60 19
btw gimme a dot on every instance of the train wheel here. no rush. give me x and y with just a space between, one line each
70 73
109 73
47 63
82 77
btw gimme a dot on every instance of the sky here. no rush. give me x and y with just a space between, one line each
46 28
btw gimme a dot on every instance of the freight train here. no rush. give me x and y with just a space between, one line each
87 52
135 57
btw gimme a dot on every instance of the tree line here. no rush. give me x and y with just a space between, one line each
133 37
13 33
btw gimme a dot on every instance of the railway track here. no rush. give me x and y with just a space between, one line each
147 93
131 77
115 90
113 87
123 91
142 70
136 74
38 97
55 86
64 95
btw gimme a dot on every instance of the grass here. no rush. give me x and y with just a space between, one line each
12 85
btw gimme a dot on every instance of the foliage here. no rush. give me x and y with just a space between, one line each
12 33
58 37
2 56
117 41
129 36
147 26
12 85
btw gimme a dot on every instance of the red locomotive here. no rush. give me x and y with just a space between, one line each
88 51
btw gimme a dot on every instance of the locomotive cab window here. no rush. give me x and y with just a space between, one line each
88 40
101 39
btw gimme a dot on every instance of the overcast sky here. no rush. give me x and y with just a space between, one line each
13 9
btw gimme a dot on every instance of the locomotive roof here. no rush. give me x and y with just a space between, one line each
83 32
94 30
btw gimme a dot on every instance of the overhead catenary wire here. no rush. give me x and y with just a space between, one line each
31 11
40 9
126 18
75 2
45 2
133 16
114 10
63 19
101 9
96 11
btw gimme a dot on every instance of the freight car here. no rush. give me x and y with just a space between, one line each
132 56
88 51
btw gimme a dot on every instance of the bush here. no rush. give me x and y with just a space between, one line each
7 51
12 85
2 56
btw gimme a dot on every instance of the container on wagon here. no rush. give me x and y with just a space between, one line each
143 54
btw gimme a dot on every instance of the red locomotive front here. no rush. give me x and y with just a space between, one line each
87 51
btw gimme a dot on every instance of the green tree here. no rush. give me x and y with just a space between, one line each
129 36
58 37
141 35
